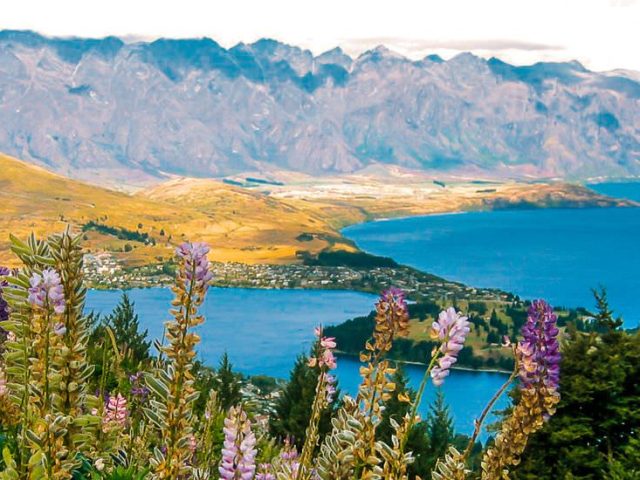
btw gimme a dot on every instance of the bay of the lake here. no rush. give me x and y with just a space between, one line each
264 330
556 254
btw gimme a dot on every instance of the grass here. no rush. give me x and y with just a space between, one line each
240 225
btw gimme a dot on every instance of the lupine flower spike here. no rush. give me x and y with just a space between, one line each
451 330
325 361
173 388
46 289
238 452
115 413
538 366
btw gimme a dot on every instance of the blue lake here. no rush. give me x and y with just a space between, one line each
264 330
558 254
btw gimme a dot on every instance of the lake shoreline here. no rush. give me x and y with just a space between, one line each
341 353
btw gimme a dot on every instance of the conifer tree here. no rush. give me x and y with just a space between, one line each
131 341
604 316
293 409
227 384
439 429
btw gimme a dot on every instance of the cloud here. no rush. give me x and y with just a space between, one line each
415 45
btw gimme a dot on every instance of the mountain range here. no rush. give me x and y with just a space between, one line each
133 113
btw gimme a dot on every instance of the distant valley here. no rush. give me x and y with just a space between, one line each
133 114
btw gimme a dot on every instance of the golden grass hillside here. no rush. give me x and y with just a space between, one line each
241 226
263 228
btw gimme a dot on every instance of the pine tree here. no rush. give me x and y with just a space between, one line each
439 429
132 342
604 318
293 409
227 384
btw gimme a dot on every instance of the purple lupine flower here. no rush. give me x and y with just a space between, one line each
139 391
539 350
239 448
195 260
47 289
115 412
451 329
394 298
265 472
330 387
289 455
289 451
59 329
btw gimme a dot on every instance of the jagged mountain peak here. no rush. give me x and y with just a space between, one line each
433 58
379 54
335 56
105 109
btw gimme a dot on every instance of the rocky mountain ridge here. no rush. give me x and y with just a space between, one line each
113 112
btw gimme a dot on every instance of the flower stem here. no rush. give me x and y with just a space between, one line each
312 433
423 384
487 409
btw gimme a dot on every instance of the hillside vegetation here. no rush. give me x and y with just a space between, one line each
250 226
490 321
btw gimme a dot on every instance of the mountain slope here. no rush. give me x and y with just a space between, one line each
240 226
106 111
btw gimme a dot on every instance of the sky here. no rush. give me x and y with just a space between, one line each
601 34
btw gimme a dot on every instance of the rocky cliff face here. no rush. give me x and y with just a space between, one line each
105 110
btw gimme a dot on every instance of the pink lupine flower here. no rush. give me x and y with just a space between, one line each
115 412
46 289
239 448
451 329
325 357
328 342
328 359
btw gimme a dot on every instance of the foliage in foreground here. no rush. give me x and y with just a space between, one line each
56 427
596 431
